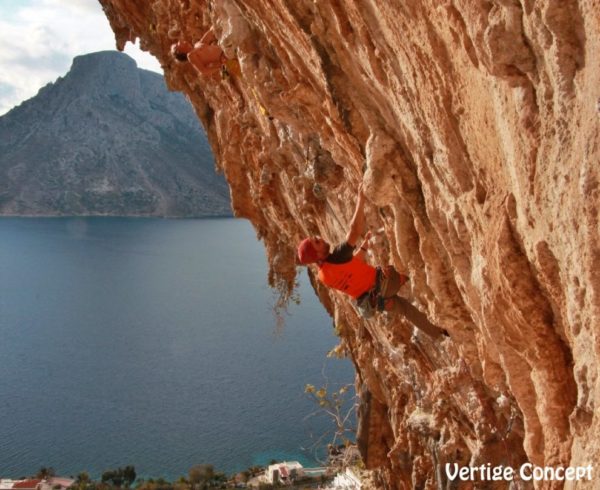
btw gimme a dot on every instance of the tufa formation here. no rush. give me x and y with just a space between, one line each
474 128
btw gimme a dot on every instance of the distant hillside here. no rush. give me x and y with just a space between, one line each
107 139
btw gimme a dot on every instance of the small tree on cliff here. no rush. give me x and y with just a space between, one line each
341 411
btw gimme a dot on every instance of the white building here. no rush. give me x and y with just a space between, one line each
54 482
346 481
29 484
6 484
283 472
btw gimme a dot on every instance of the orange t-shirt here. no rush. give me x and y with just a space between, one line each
354 277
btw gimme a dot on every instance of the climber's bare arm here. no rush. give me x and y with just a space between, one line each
361 251
357 225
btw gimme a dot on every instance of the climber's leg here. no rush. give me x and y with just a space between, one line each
397 304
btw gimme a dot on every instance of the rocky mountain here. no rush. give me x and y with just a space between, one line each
107 139
474 130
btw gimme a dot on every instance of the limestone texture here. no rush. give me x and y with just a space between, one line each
474 128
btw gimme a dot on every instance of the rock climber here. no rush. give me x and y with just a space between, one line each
374 289
206 55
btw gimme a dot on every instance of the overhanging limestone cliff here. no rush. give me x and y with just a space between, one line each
474 128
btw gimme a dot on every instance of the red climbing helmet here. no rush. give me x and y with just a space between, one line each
307 254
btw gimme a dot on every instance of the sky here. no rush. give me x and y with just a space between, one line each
40 38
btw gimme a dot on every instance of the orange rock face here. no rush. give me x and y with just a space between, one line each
474 128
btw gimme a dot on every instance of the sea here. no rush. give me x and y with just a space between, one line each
153 343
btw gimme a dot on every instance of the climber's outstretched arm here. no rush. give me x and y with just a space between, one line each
357 225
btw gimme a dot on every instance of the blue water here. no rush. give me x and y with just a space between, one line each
152 343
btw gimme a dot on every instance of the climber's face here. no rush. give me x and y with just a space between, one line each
321 246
